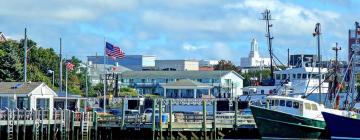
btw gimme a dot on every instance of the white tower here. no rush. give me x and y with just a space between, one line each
254 52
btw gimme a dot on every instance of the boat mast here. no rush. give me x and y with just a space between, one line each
335 86
267 17
317 33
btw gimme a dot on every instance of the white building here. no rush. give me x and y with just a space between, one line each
254 59
177 65
208 62
30 95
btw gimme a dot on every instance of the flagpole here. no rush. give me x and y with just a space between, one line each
25 57
104 75
66 88
61 76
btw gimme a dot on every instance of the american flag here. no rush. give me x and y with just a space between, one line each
113 51
69 65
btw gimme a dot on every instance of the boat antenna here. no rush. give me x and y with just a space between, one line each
317 34
267 17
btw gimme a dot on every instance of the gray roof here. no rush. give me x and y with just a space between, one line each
18 87
187 82
175 74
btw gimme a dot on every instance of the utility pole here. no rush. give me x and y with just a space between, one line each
25 56
267 17
317 34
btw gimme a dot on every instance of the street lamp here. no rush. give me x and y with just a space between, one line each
52 72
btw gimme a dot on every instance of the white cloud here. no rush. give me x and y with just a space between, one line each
190 47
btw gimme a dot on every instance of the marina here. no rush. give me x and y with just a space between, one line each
184 70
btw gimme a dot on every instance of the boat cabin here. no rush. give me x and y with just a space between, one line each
295 106
303 79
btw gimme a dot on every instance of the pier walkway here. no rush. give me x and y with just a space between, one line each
165 124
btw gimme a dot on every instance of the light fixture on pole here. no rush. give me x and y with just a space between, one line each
53 78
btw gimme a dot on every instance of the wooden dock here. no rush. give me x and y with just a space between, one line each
69 125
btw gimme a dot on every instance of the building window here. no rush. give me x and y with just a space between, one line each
42 103
143 80
283 76
4 102
304 76
299 76
294 76
131 80
23 102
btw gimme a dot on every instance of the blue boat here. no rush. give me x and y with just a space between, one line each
342 127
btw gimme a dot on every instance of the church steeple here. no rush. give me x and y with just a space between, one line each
254 52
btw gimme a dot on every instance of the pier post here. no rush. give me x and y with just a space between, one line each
55 125
171 118
42 125
24 126
214 116
123 114
34 124
17 123
73 126
95 125
204 118
160 119
153 119
49 125
236 114
62 124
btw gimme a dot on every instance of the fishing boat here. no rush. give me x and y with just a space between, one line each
348 126
342 127
291 117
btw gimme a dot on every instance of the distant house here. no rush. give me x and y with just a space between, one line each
222 83
26 95
2 37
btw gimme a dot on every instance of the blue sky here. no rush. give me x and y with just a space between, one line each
180 29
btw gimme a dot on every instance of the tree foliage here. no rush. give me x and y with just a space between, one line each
225 65
39 61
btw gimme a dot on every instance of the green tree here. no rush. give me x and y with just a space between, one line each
225 65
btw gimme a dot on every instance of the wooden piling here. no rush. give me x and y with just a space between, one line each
236 114
171 118
123 114
49 125
214 116
24 125
153 118
73 125
160 119
204 118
